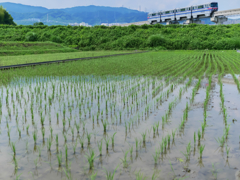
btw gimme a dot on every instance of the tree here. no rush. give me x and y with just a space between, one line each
5 17
38 23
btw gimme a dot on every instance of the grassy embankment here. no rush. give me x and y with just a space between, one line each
13 48
20 59
172 37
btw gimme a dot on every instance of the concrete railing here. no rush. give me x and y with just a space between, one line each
135 23
227 12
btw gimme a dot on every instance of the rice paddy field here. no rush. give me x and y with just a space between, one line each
157 115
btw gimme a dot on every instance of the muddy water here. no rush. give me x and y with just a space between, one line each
141 160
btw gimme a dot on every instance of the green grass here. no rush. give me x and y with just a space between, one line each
50 56
10 48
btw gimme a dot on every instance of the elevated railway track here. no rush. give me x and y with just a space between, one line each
218 17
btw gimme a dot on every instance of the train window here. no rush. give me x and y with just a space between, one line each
183 9
214 4
200 7
167 12
154 14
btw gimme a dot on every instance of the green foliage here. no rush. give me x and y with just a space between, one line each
5 17
154 37
31 36
38 24
156 40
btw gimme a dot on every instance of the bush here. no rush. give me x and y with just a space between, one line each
156 40
56 39
31 36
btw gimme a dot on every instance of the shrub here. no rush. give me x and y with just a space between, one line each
31 36
156 40
56 39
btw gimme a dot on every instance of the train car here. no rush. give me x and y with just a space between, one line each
190 12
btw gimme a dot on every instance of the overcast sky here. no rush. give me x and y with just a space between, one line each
149 5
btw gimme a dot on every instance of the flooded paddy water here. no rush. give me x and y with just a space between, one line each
75 109
52 128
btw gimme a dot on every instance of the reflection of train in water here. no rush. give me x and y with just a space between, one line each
204 10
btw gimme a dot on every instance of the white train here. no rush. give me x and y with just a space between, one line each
203 10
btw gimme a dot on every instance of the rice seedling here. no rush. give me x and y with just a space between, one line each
188 151
65 136
227 151
144 137
214 171
100 147
81 140
154 130
19 132
36 163
51 131
124 160
155 157
13 146
201 150
169 138
140 176
221 141
194 137
43 133
49 144
59 159
89 137
136 142
74 147
66 152
113 138
91 158
199 135
105 123
77 127
110 175
35 137
131 150
107 143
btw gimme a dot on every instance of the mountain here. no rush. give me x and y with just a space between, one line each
93 15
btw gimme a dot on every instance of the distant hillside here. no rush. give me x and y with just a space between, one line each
93 15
